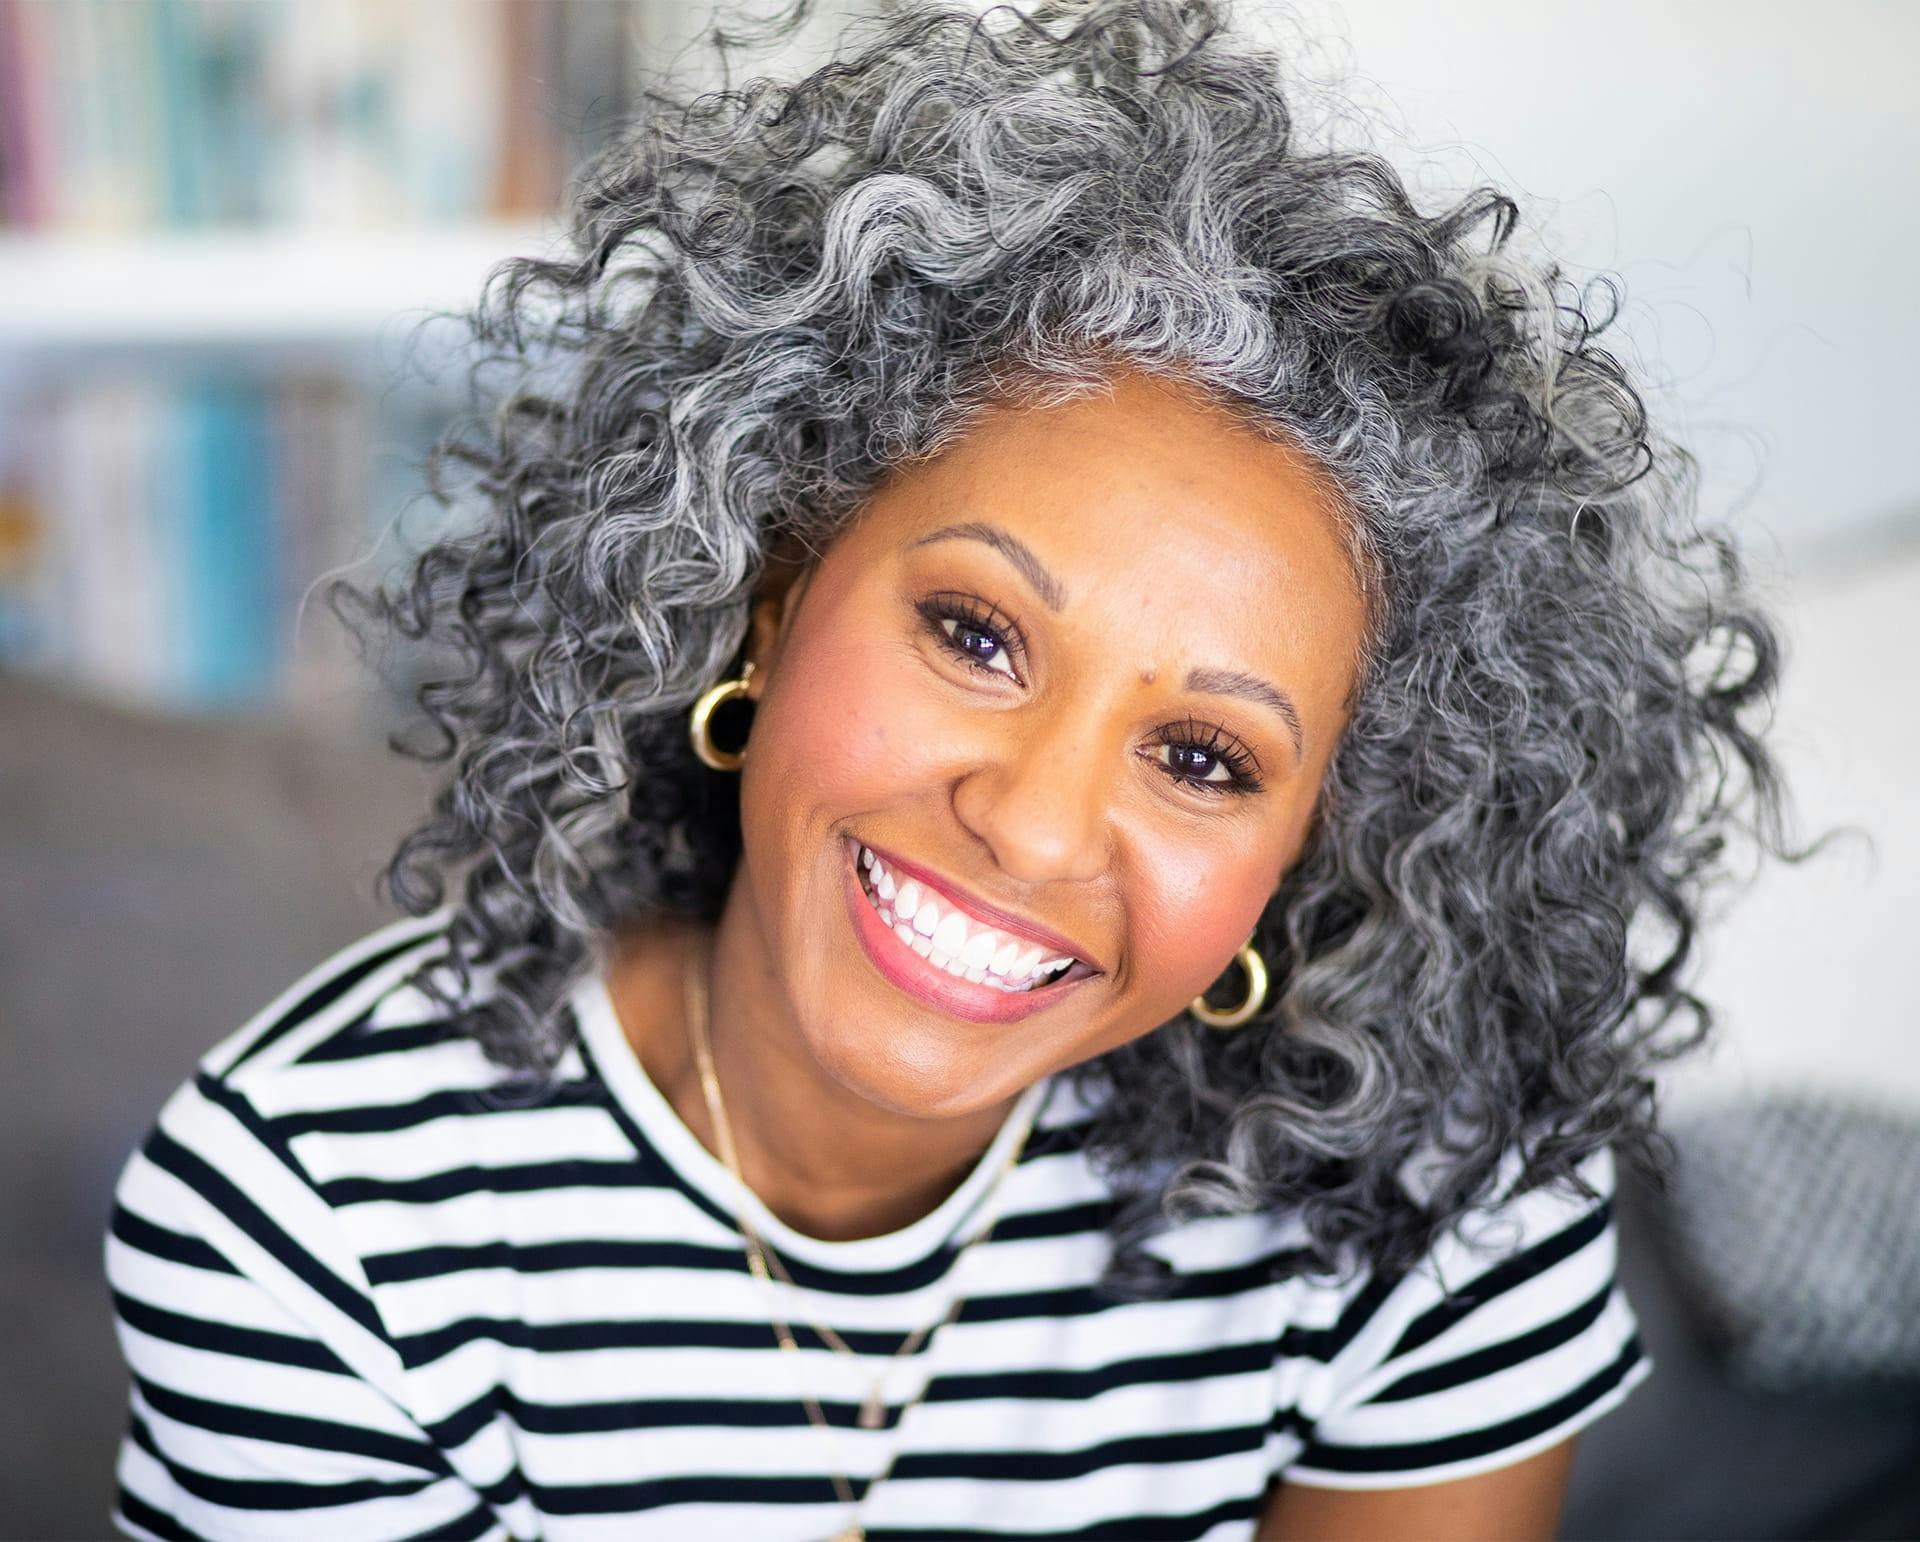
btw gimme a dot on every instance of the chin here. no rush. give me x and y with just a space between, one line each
913 1068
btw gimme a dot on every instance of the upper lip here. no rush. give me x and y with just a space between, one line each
980 910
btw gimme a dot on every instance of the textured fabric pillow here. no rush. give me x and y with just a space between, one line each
1793 1227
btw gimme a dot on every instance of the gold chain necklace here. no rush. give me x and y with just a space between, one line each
763 1263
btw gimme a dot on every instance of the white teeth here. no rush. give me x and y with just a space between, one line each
951 934
950 939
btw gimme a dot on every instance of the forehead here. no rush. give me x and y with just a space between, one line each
1153 508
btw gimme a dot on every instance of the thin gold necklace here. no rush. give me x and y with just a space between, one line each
763 1263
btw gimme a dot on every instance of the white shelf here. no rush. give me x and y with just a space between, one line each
225 287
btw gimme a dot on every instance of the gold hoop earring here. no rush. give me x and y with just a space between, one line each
697 723
1233 1017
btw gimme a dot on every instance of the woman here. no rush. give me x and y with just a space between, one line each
1126 1034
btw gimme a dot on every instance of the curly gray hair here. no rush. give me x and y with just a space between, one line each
777 293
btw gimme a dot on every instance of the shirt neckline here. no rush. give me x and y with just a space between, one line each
701 1170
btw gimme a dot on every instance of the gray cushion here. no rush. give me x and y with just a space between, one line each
1794 1226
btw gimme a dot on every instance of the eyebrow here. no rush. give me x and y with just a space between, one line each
1234 682
1053 593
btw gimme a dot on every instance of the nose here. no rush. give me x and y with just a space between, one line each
1041 793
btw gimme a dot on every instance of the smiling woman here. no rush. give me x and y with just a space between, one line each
1131 1039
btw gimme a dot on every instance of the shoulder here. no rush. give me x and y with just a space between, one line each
265 1374
347 998
374 1041
1508 1336
352 1047
351 1077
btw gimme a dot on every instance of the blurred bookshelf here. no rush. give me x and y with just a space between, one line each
243 285
225 226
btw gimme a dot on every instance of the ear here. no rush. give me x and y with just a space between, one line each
787 574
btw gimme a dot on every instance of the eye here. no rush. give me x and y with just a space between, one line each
974 633
1207 758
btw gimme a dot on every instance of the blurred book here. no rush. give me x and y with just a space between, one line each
168 542
121 115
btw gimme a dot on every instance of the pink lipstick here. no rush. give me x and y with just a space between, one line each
931 985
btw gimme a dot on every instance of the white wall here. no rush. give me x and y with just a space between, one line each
1749 169
1814 970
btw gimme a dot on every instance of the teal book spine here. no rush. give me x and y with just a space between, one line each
231 549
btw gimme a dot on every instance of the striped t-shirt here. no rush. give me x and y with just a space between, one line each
362 1293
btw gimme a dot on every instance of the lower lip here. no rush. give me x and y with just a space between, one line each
948 993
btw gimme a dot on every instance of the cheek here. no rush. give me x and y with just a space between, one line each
1191 911
850 728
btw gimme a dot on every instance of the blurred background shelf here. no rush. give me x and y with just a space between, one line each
236 241
245 285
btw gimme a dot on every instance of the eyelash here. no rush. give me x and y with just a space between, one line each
986 620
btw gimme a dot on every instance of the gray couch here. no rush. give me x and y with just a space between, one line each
161 879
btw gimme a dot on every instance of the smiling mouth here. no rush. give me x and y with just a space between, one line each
936 929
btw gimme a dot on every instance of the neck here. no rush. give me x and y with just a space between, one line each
827 1161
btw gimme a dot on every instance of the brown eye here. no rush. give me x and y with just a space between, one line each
1195 763
978 646
971 633
1205 756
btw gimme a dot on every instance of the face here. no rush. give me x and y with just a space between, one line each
1081 675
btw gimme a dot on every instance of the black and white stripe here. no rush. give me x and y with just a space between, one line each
365 1289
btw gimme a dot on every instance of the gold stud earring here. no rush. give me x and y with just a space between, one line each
697 723
1233 1017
